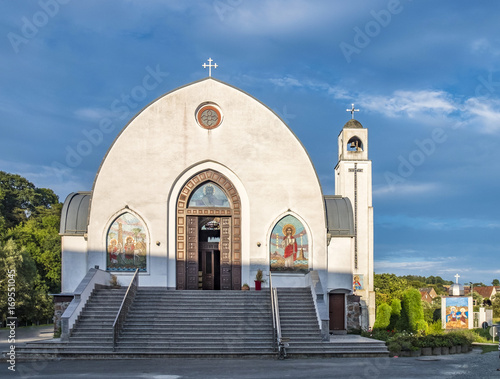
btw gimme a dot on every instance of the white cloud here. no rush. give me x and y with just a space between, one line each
410 103
94 114
279 17
430 223
484 46
484 114
405 189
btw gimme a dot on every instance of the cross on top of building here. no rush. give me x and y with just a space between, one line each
456 277
352 110
210 65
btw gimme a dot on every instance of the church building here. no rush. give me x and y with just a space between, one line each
207 185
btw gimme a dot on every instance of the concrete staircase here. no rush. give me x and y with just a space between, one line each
298 319
201 323
163 323
300 324
92 334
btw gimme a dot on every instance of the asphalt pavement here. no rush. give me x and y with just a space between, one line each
471 365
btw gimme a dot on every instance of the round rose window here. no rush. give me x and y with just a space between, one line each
209 116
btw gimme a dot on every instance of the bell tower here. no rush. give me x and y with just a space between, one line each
353 179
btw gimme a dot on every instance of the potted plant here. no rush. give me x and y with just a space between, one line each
258 280
245 287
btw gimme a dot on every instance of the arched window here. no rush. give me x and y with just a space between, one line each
127 244
289 246
354 144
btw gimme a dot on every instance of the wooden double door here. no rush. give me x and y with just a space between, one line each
209 264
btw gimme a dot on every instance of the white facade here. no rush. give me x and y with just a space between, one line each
165 152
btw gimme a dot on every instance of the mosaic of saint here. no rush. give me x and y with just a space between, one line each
457 313
357 282
127 245
289 246
209 195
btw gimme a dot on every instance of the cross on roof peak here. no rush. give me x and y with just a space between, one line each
210 65
456 277
352 110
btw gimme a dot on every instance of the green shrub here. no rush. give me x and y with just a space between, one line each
435 328
394 347
383 317
395 313
412 309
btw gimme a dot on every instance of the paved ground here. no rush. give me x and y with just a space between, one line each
473 365
26 334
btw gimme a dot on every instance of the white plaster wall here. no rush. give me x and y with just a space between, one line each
73 261
340 266
163 145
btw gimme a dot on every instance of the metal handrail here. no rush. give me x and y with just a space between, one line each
275 335
124 307
280 343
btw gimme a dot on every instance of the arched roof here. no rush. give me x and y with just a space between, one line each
339 216
352 123
74 214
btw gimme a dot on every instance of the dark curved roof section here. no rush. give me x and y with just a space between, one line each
339 216
75 214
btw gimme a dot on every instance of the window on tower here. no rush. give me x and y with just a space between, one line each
355 144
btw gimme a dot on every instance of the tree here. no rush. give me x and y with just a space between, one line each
30 301
496 305
495 282
388 287
30 216
39 236
19 199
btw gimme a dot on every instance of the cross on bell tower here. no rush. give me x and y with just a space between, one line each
352 110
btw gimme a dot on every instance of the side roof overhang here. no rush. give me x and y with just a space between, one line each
75 214
339 216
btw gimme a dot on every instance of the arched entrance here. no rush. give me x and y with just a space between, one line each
208 224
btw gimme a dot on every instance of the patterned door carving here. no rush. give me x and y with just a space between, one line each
192 253
225 253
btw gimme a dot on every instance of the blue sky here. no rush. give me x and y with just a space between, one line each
424 74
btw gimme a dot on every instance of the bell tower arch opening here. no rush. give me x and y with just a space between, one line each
208 228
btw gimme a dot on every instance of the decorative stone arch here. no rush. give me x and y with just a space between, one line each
187 241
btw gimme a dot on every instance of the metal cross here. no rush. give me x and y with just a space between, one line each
457 276
210 65
352 110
